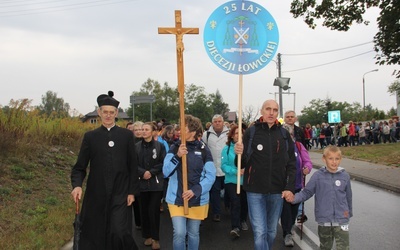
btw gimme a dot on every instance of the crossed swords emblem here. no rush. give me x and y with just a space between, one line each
241 35
241 38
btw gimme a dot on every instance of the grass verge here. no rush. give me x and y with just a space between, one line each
36 211
386 154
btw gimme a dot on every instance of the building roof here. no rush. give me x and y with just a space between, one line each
231 116
121 115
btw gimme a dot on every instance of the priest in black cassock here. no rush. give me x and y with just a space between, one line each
109 150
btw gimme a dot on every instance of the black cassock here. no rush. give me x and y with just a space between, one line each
106 219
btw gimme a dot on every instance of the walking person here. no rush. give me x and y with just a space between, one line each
308 136
386 132
375 131
342 135
112 183
215 138
290 119
328 134
303 168
315 135
200 175
352 133
151 154
362 135
368 133
392 126
270 169
322 136
238 202
332 214
136 128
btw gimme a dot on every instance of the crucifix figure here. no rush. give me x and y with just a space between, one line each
179 32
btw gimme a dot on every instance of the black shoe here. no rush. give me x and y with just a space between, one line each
217 218
302 219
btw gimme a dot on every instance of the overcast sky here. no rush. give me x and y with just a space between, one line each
80 49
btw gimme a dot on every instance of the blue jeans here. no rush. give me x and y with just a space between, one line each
264 213
183 225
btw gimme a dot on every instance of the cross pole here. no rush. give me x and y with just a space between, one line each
178 31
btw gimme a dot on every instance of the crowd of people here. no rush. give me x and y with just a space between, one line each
351 134
145 170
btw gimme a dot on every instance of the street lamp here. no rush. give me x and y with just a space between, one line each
364 86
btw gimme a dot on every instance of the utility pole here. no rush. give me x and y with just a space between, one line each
280 87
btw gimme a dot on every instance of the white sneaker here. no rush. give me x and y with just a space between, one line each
289 240
235 232
244 226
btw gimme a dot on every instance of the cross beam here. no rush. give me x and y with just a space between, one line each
178 31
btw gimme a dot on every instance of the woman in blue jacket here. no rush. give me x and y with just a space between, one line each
238 202
200 175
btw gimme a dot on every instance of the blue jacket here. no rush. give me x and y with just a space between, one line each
333 196
201 173
228 164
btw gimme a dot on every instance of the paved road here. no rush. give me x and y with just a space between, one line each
215 235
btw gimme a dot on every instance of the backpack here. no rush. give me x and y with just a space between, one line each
253 131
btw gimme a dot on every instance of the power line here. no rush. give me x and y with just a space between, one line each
18 3
328 51
319 65
64 7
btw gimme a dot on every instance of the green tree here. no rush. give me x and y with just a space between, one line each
394 89
218 104
340 15
165 105
392 112
53 106
317 111
198 103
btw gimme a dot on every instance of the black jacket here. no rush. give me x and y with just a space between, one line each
271 167
150 158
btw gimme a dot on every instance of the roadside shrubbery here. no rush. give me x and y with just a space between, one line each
22 128
36 156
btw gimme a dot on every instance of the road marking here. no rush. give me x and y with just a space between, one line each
303 243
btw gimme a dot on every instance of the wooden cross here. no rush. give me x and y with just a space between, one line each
179 32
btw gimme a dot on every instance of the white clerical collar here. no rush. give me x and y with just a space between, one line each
110 127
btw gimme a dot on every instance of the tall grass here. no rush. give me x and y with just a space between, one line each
36 156
22 128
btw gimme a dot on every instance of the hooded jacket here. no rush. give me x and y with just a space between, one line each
271 167
333 196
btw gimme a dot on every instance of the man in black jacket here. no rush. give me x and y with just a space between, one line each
269 173
298 133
